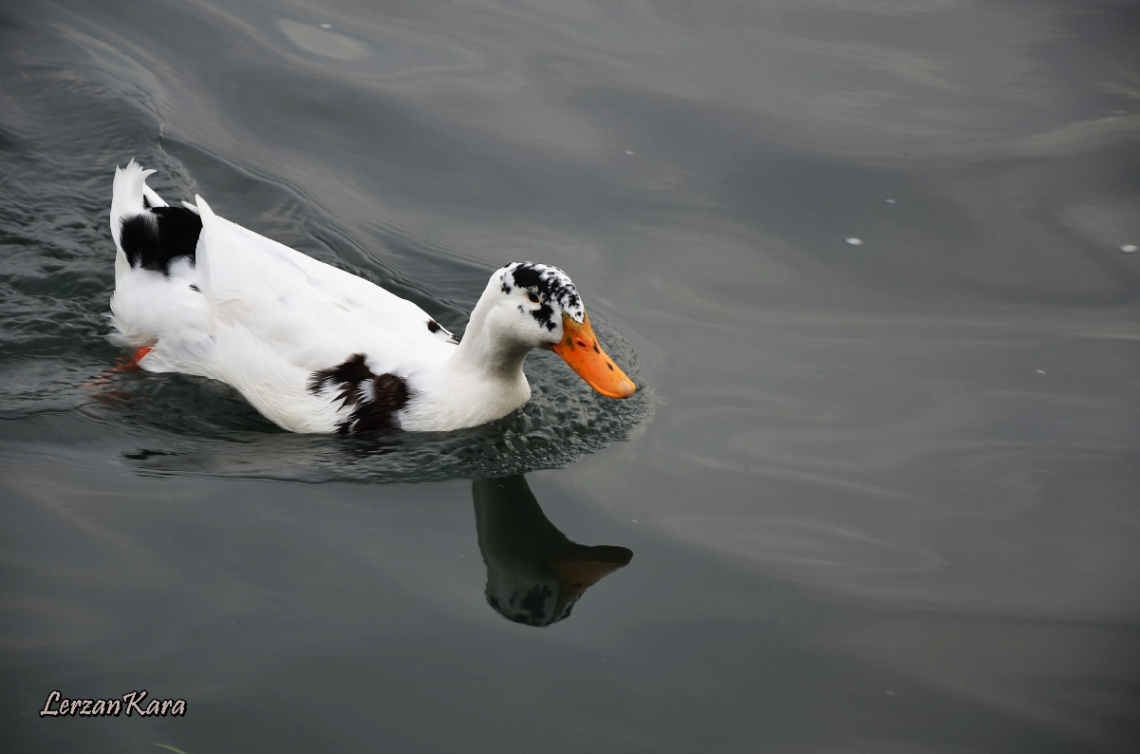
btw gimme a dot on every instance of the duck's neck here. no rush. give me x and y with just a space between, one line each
483 380
488 351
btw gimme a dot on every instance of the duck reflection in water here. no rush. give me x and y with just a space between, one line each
535 574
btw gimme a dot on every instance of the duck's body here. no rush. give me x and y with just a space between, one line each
317 349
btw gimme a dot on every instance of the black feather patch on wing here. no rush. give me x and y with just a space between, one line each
348 375
154 239
389 394
374 399
436 328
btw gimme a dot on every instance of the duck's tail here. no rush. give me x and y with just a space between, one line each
130 200
149 234
155 282
131 197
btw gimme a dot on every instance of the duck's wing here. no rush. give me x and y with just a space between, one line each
208 297
310 313
279 320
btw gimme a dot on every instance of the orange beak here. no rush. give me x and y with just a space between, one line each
579 347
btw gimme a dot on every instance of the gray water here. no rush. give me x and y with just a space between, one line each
877 496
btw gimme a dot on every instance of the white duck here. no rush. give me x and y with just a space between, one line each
317 349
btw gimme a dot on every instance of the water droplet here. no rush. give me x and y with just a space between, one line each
1128 248
853 241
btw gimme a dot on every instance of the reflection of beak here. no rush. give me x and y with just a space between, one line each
580 571
579 347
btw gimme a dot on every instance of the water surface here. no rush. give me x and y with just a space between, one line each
874 496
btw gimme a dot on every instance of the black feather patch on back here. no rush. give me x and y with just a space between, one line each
374 399
154 239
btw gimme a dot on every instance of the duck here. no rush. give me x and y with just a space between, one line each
316 349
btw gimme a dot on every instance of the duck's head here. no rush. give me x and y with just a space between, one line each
538 306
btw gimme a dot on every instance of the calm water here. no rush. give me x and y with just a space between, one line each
868 260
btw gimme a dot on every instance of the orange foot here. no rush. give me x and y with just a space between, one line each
96 386
133 363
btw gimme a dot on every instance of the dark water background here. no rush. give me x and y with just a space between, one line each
880 497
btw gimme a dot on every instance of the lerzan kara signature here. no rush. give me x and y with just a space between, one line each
131 702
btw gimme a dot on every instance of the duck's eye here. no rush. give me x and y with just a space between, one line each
533 297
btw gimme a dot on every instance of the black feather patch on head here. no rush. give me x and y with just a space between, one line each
553 287
373 399
156 238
